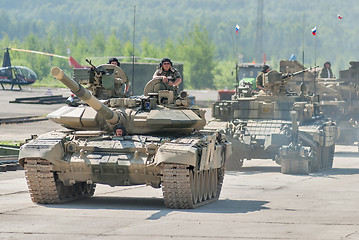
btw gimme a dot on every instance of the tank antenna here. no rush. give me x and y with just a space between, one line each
303 47
133 50
235 57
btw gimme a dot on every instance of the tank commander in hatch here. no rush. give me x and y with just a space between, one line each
260 78
119 131
168 73
326 71
114 61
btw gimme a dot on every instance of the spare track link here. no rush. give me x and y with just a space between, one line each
46 189
179 187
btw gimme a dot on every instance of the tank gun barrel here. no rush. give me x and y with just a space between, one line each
110 116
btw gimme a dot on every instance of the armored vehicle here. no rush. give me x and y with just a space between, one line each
245 73
154 139
248 72
339 97
276 124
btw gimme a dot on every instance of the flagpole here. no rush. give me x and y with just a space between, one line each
236 56
315 64
303 49
133 50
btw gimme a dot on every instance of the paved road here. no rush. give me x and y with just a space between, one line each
256 203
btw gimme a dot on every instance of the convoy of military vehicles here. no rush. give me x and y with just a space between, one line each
159 140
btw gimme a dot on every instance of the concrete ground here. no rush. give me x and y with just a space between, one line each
257 202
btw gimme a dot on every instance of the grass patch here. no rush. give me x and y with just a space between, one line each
11 143
48 82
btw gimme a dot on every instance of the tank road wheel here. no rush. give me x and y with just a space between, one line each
61 190
44 186
184 187
207 185
79 188
220 177
213 182
194 185
90 189
202 187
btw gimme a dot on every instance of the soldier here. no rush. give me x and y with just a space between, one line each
260 78
168 73
71 101
114 61
326 71
120 131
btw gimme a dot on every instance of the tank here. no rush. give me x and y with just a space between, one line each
339 97
155 139
283 126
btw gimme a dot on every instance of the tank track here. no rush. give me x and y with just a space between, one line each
184 187
45 188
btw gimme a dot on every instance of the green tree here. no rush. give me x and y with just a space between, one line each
224 75
197 50
148 49
170 50
98 44
113 46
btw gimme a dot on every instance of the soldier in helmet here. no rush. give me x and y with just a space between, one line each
260 78
326 71
114 61
169 74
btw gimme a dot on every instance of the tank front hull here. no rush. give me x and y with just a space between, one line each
67 159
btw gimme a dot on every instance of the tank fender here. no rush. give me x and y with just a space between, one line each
176 153
50 150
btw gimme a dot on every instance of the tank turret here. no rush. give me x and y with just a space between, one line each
156 113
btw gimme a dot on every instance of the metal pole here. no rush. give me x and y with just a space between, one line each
315 64
133 50
303 49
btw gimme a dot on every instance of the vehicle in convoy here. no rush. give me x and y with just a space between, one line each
155 139
245 72
248 72
339 97
280 125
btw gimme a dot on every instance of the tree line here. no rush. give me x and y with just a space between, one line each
199 33
195 50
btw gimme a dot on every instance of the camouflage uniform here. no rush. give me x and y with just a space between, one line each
172 74
260 80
